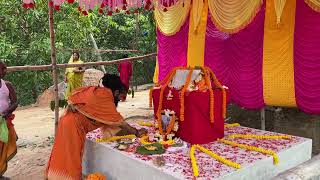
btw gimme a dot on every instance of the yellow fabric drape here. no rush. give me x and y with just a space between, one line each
278 6
278 70
314 4
197 7
156 73
170 22
196 39
230 16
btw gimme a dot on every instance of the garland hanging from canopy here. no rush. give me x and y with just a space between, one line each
108 6
170 19
314 4
229 16
278 6
233 15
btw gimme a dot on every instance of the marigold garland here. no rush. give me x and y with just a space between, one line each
231 125
184 89
211 105
96 176
215 80
168 77
115 138
208 83
171 124
194 161
142 123
252 148
169 142
224 103
219 158
170 127
164 84
211 98
143 140
224 94
194 165
208 74
254 136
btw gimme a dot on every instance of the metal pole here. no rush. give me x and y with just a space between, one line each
54 67
263 118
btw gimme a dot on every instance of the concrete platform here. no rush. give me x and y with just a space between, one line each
120 165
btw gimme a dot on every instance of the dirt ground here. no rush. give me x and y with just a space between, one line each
35 128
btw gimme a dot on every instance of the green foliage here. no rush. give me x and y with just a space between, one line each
62 104
25 40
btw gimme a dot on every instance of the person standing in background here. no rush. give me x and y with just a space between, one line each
8 104
74 75
125 71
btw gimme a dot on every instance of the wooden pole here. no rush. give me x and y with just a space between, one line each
54 67
86 64
100 50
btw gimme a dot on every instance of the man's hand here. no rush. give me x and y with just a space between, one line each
141 132
72 107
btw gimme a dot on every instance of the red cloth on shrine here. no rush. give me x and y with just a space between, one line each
196 127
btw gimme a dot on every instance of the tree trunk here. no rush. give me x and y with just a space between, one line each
97 52
54 67
135 46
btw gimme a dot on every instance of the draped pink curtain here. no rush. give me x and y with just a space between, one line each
236 59
172 50
307 58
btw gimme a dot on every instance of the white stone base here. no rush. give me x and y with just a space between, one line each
117 165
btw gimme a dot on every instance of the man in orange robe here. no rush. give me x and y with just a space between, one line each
89 108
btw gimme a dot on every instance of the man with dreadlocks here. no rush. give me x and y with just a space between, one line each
89 108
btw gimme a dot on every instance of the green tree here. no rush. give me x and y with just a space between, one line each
24 40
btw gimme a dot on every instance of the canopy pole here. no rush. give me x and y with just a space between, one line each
54 68
263 119
85 64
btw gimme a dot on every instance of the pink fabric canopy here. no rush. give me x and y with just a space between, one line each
237 60
172 50
307 58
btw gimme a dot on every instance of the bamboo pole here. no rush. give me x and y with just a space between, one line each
99 50
54 67
86 64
